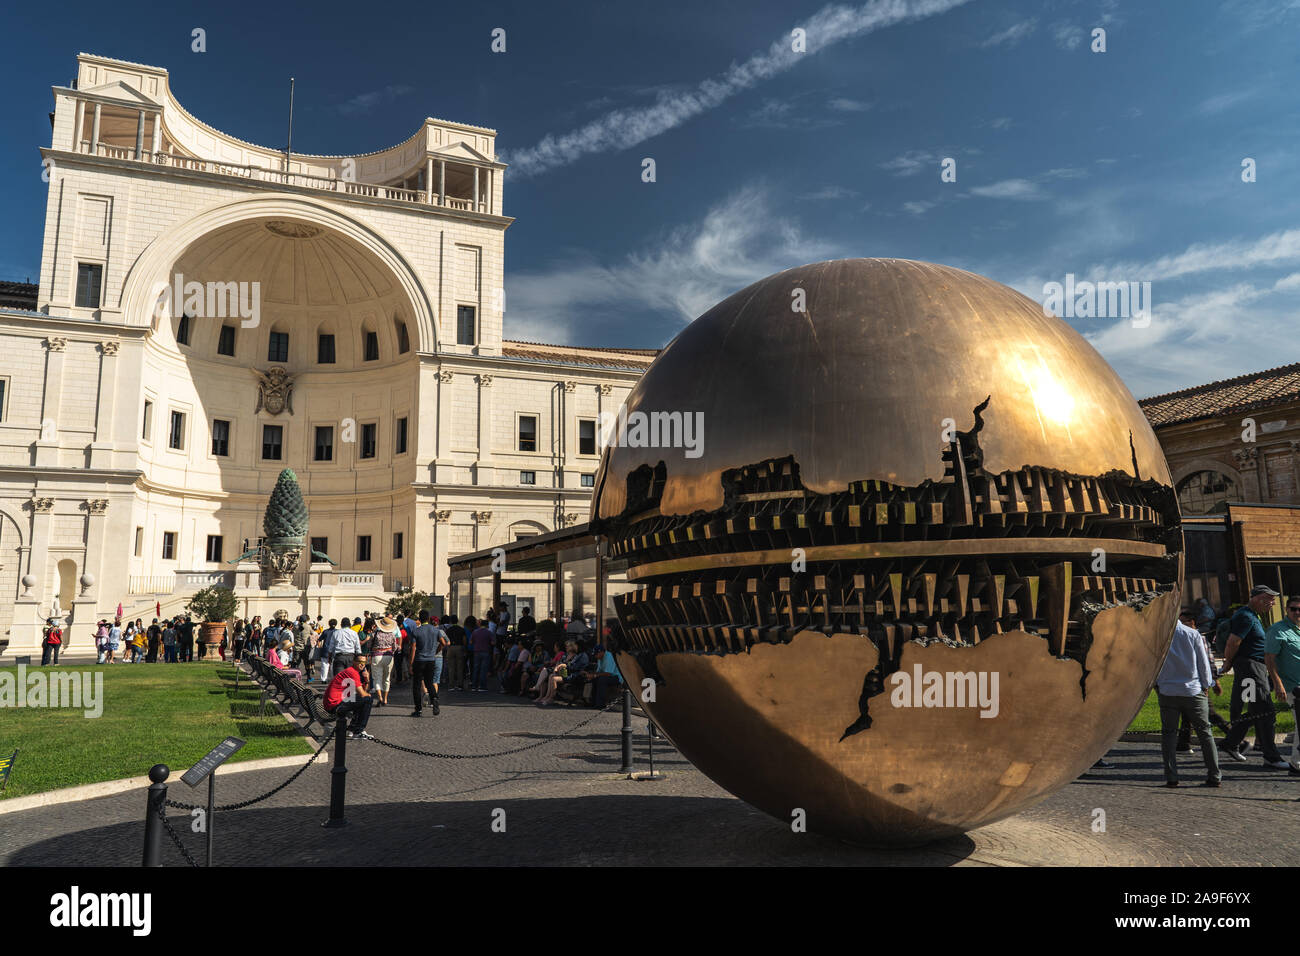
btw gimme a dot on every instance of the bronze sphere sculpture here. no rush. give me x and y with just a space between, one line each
919 566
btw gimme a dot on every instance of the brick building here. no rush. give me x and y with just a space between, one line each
1234 452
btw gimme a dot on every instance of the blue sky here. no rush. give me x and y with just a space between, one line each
1123 165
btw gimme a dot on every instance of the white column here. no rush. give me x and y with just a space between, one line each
156 145
139 135
442 182
101 449
47 445
484 420
476 209
77 126
94 132
428 183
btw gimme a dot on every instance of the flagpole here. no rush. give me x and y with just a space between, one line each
289 146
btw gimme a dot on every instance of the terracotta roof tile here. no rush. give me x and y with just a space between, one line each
594 356
1274 386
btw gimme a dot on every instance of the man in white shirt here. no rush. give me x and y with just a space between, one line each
1182 687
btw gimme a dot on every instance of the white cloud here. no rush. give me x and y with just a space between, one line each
690 270
623 128
1021 189
1274 249
920 207
910 163
1012 34
1223 101
365 102
831 192
1203 336
1067 35
843 104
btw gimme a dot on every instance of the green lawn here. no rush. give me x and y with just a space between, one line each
1148 718
152 714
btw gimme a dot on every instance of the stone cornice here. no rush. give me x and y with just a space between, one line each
39 323
474 364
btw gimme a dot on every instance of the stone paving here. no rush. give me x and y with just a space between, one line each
566 804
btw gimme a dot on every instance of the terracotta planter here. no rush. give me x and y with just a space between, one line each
210 640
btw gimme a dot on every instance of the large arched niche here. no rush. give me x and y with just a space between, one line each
279 241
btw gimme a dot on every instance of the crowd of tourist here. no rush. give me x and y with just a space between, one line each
359 661
1264 663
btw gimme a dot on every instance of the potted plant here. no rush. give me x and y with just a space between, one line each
213 606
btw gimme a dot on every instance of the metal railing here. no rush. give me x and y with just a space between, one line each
279 177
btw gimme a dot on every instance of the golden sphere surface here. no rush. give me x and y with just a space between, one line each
918 564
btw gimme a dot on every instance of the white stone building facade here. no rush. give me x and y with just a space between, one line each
141 431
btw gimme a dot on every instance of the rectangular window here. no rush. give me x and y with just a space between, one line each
586 436
3 383
226 341
139 540
325 349
278 348
587 481
176 431
272 442
372 347
169 546
320 544
214 547
363 547
220 437
399 437
397 544
528 433
324 443
465 325
146 429
369 440
528 477
183 330
90 278
403 338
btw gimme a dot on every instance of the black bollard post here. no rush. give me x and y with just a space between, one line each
338 775
651 738
153 824
627 731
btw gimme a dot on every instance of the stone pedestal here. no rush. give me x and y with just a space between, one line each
26 632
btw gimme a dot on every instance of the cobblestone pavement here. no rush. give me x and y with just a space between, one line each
566 804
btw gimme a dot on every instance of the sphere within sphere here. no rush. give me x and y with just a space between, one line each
917 565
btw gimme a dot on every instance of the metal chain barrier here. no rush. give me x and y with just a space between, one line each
270 793
175 837
499 753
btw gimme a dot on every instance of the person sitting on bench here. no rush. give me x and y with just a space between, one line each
347 697
279 657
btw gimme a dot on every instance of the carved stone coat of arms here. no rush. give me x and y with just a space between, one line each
274 391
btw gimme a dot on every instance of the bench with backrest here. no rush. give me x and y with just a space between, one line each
317 714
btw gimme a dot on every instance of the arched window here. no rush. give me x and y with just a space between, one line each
277 348
369 344
403 338
1200 491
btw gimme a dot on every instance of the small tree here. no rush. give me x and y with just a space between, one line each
408 603
213 605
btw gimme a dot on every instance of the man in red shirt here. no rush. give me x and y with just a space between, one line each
346 696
